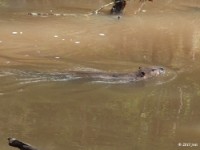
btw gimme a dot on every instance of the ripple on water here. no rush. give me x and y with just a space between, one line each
35 77
169 76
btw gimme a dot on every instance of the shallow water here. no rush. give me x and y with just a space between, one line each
42 106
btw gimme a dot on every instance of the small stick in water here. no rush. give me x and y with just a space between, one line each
97 11
21 145
140 8
102 7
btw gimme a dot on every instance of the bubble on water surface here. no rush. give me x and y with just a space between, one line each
101 34
14 33
77 42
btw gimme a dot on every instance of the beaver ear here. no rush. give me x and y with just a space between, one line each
142 74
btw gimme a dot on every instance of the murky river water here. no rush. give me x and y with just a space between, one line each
39 105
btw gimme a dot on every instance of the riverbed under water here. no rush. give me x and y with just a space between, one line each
42 107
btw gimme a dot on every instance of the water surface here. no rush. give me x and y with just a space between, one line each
42 106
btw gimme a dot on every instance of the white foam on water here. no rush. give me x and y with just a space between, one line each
144 10
14 33
77 42
101 34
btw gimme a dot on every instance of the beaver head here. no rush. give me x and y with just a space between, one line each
150 72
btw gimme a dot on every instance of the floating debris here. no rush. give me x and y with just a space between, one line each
19 144
7 62
63 39
0 41
55 36
14 33
101 34
21 33
57 57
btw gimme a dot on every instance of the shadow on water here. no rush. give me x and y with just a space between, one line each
52 113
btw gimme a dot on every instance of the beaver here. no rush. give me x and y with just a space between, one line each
140 74
21 145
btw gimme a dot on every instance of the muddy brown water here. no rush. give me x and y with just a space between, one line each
42 106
